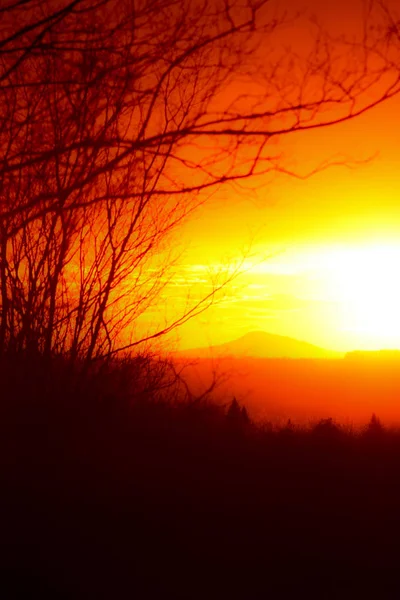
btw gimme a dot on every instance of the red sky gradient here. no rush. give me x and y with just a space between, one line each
325 251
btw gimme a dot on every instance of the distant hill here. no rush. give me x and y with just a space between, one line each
260 344
382 355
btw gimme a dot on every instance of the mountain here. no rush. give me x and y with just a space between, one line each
260 344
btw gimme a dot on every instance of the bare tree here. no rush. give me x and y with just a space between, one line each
117 119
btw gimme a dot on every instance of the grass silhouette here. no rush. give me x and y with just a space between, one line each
116 488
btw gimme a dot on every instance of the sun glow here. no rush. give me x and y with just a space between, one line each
340 297
365 282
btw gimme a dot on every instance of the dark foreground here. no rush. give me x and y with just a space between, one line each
122 496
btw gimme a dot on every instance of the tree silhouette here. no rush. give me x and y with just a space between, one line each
117 120
237 415
374 427
244 415
234 413
327 429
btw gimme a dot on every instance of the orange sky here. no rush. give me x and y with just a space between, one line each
325 251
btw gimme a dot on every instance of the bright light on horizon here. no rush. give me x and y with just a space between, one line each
340 297
365 281
362 281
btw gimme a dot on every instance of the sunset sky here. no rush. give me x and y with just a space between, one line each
324 263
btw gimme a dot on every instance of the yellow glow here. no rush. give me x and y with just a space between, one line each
338 296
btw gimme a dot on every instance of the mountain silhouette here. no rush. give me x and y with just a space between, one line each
259 344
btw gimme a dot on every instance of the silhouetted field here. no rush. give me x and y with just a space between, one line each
111 489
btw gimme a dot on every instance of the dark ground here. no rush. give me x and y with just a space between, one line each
102 497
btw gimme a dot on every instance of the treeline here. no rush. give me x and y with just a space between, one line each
121 486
